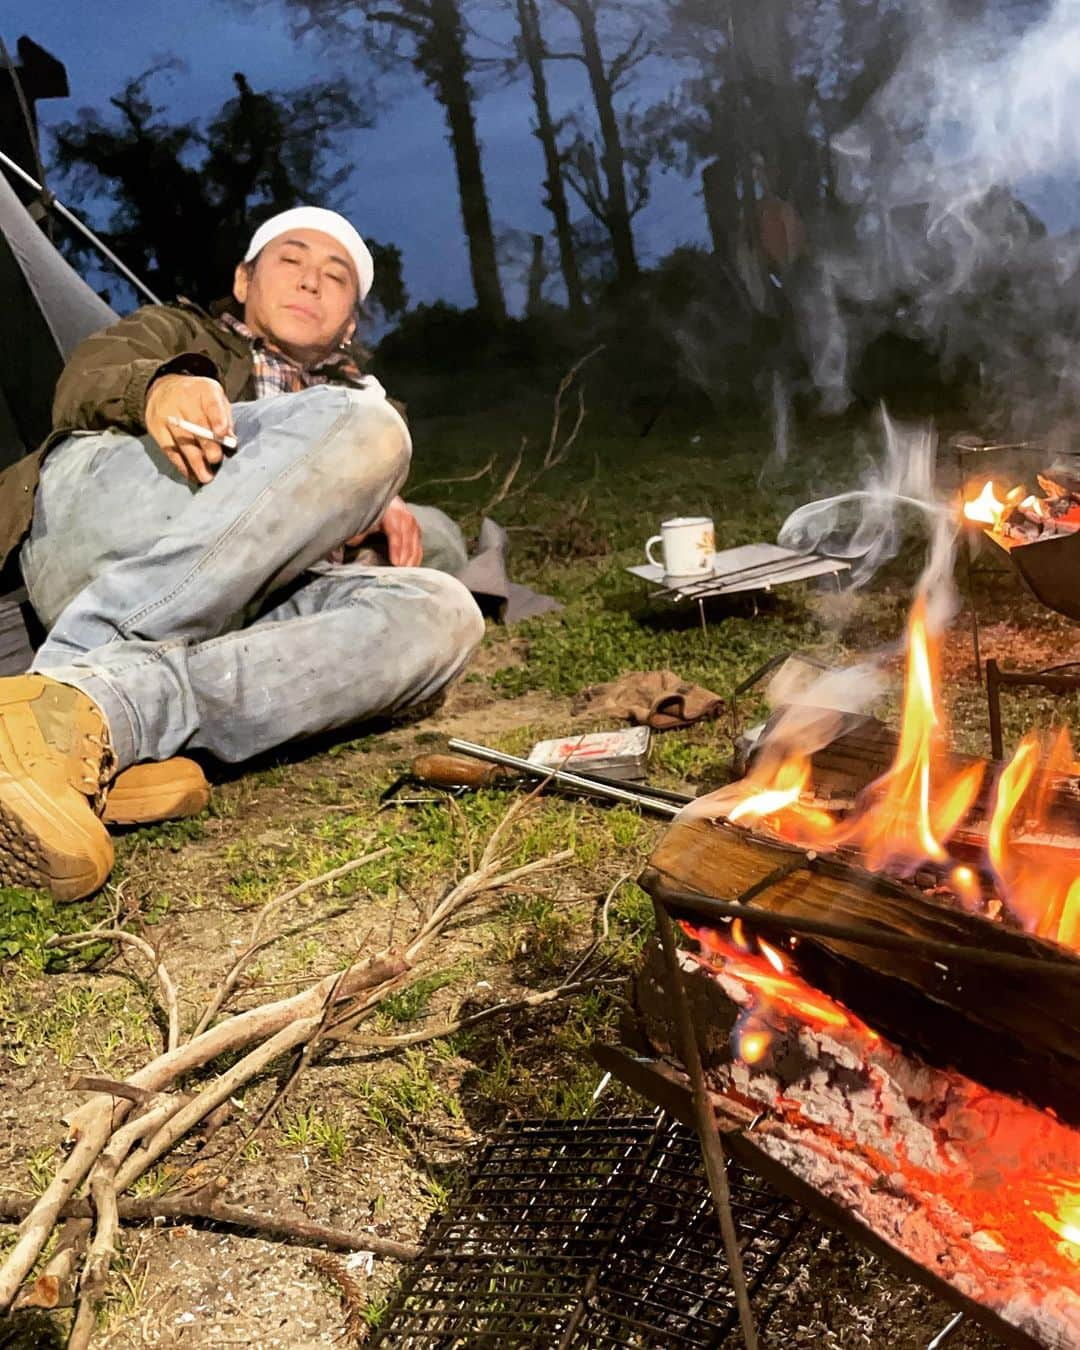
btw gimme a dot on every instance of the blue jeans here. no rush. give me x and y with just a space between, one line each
203 617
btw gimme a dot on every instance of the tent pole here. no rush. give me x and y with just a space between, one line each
61 210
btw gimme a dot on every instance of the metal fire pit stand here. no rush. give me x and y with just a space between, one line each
691 1102
705 1123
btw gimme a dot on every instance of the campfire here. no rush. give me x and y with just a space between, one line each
996 847
1016 516
896 1008
1039 534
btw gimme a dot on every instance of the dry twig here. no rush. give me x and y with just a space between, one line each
534 1000
554 453
184 1208
257 943
447 482
109 1154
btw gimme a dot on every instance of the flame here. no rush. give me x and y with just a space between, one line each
772 956
966 887
791 780
771 986
988 508
777 783
1041 889
1066 1222
919 784
910 812
910 815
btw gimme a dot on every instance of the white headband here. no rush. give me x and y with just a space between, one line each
327 222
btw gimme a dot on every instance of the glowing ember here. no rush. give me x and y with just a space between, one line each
752 1044
978 1188
965 885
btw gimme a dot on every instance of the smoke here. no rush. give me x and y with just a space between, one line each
869 525
812 712
962 183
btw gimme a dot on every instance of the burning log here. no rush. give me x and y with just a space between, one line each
973 1192
1012 1024
1017 523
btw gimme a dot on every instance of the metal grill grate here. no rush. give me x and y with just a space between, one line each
588 1233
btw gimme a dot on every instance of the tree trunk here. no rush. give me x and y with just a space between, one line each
617 208
532 46
445 66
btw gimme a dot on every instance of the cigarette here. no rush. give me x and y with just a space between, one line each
229 442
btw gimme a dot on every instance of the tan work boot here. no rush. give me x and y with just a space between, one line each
54 761
146 793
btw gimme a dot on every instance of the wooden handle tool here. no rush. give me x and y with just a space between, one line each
455 771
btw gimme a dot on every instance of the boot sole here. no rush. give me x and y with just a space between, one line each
146 807
44 845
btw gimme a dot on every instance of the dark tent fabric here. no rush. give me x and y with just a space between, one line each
48 310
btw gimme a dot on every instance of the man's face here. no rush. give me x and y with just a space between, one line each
301 294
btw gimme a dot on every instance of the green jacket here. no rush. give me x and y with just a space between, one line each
105 382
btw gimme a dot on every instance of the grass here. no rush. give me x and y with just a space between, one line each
401 1099
313 1130
28 919
412 1003
102 1024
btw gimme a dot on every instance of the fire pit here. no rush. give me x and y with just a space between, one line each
1040 535
881 1009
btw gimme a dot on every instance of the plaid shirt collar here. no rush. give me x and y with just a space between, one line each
275 373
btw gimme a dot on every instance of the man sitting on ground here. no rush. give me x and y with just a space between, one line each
190 589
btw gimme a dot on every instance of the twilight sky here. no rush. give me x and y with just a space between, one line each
403 188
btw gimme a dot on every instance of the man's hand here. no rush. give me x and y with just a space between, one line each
197 399
402 531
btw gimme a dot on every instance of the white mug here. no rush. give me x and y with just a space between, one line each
689 543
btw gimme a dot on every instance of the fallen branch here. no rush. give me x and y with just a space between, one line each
188 1208
256 943
110 1155
103 1196
555 453
55 1286
88 1083
92 1123
446 482
503 490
